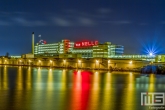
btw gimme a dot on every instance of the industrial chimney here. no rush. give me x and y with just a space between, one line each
32 42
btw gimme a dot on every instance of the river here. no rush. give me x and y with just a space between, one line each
27 88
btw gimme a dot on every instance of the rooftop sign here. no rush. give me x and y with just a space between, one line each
85 44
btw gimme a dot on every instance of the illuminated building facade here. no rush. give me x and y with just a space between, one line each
160 58
53 49
85 49
107 50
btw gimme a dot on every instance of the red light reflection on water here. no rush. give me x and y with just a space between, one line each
81 90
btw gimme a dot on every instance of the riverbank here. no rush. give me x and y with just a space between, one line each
68 67
83 63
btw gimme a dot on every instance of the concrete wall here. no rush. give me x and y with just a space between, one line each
92 63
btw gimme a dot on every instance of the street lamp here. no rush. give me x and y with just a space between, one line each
39 62
20 62
51 62
64 61
97 62
79 62
130 62
109 61
29 62
5 62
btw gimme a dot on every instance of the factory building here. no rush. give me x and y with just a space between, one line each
107 50
84 49
53 49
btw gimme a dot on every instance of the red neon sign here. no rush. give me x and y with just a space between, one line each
85 44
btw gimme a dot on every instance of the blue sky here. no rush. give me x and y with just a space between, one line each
137 24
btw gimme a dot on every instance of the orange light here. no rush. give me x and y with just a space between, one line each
130 62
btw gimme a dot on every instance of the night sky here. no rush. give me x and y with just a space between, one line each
138 25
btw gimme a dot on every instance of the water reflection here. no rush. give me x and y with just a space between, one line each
38 79
5 78
108 92
28 79
76 91
48 89
95 91
151 83
19 79
4 86
129 94
50 80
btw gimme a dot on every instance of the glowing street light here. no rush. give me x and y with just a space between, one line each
130 62
64 62
79 61
51 62
97 63
39 62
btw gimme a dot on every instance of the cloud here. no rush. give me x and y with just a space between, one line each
4 23
104 10
29 23
163 22
143 24
85 21
61 22
14 13
118 22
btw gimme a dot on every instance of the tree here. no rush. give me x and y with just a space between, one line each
7 54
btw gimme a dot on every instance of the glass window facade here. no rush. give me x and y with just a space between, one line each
105 50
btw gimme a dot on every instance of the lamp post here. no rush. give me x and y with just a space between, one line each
39 62
5 61
130 62
20 62
29 62
51 62
64 63
79 63
97 63
108 63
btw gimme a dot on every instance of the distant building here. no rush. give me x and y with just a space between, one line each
85 49
160 58
107 50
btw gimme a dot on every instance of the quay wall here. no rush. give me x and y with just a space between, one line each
92 63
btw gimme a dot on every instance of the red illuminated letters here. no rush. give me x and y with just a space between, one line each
85 44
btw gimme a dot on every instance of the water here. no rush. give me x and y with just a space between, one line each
26 88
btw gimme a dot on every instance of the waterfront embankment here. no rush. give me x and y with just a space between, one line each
92 63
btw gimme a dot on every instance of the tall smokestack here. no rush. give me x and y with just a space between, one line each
32 42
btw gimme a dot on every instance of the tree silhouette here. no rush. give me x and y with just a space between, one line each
7 54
